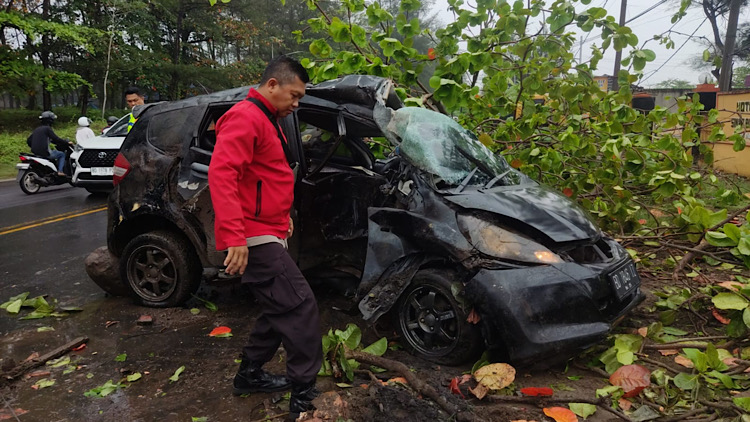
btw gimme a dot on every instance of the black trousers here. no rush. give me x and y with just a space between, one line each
289 313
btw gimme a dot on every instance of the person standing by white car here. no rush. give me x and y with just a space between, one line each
84 131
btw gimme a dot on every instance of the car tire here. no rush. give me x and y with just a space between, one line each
432 323
28 185
161 269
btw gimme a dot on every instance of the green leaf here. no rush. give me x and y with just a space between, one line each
176 375
14 307
583 410
610 390
351 337
203 418
378 348
686 381
706 57
44 383
59 362
729 300
195 311
121 357
699 359
743 402
725 379
13 299
134 377
720 239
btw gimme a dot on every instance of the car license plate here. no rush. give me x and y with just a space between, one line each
101 171
624 279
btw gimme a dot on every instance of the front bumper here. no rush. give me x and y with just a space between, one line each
545 314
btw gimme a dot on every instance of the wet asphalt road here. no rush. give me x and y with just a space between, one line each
44 239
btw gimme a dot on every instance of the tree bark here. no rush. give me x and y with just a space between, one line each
725 77
44 51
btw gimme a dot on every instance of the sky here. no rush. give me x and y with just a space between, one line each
654 22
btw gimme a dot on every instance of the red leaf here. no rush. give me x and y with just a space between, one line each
79 348
454 387
721 318
515 163
537 391
473 317
431 53
220 330
560 414
632 378
568 192
642 221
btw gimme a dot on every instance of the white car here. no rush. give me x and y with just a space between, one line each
93 158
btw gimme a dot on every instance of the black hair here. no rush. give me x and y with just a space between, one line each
284 69
134 90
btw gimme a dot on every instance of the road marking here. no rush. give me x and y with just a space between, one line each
49 220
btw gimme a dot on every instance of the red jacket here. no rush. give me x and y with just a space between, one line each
251 183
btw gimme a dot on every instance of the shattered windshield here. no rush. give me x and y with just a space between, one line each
435 143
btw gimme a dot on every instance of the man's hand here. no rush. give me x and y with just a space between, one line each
291 228
236 260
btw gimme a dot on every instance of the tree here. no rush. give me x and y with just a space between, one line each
27 62
618 163
675 83
724 48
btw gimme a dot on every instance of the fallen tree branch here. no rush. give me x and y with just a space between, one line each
33 363
659 364
682 416
540 401
690 256
461 412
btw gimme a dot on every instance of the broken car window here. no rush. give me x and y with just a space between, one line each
435 143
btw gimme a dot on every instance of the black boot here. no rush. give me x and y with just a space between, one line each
301 398
251 378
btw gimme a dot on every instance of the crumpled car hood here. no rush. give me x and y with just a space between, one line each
547 211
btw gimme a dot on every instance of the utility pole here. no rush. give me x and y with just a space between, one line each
618 54
725 75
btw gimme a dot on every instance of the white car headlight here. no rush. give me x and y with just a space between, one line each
77 148
504 244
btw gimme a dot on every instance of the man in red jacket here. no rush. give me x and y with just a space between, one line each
252 190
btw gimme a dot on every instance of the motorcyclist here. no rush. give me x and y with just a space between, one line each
84 131
110 121
40 138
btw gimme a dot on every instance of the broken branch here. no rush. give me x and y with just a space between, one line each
33 363
460 412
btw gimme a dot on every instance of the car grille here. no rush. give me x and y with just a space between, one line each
98 158
595 253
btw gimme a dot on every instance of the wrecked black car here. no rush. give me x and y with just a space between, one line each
461 250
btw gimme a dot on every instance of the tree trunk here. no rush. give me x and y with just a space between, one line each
83 100
725 78
174 88
44 51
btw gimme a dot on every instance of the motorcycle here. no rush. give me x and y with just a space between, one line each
35 172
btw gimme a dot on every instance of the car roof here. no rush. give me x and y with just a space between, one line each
353 90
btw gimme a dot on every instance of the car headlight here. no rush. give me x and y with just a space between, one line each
504 244
77 148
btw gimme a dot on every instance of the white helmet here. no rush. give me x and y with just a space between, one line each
84 122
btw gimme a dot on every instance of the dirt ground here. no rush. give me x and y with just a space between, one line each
177 337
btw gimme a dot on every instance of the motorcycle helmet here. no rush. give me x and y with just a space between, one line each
84 122
48 116
112 120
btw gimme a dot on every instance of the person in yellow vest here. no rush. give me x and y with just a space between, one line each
134 97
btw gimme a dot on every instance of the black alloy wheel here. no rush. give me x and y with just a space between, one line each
161 269
28 182
432 323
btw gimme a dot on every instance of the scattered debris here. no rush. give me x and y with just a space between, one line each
35 360
145 320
